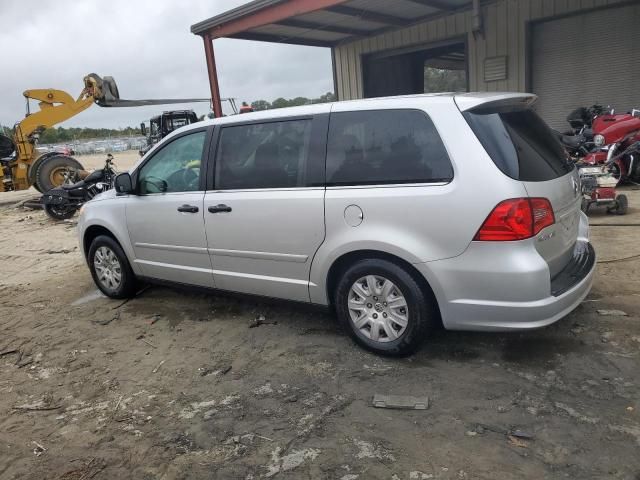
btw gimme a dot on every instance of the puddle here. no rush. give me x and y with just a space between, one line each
89 297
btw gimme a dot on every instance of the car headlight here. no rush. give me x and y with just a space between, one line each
598 140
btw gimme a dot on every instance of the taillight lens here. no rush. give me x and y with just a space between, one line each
516 219
542 214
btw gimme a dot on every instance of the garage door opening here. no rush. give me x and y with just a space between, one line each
432 70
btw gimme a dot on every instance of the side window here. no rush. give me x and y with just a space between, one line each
383 147
175 168
263 155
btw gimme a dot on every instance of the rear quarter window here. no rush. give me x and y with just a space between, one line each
376 147
520 144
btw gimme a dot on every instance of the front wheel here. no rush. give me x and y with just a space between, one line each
383 308
59 212
110 268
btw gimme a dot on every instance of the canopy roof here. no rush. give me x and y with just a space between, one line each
322 23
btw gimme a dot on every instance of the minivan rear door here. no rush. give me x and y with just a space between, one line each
523 147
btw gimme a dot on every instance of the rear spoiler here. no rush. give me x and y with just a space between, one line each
494 102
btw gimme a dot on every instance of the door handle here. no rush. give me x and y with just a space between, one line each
219 208
188 209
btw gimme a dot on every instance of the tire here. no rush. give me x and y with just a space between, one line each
49 170
33 169
59 213
421 311
614 169
7 147
102 250
621 204
584 206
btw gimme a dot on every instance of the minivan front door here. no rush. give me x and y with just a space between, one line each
264 220
166 218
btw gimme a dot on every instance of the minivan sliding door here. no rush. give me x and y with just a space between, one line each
264 220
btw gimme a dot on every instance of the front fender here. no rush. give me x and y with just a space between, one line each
111 216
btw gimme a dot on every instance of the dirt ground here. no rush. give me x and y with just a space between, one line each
177 385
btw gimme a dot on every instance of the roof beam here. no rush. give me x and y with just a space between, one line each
270 14
439 4
325 28
266 37
369 15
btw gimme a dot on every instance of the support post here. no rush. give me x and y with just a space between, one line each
213 76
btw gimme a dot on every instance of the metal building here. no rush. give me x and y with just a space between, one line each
569 52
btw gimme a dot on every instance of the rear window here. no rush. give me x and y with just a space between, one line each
520 144
385 147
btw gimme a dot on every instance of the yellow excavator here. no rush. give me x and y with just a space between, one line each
21 165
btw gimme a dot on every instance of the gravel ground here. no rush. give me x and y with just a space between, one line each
175 384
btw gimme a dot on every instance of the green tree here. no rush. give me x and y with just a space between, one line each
260 105
292 102
444 80
62 135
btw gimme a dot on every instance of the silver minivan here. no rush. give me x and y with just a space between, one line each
399 213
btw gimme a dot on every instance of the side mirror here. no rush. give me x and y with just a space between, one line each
123 184
143 129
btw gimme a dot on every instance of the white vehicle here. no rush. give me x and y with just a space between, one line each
400 213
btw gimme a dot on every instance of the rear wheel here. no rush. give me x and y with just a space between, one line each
110 268
621 204
58 212
383 308
51 171
614 169
584 206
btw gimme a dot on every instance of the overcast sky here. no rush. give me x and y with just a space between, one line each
147 46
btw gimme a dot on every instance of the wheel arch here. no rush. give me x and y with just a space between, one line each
94 231
345 260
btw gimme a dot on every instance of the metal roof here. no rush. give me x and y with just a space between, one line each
322 23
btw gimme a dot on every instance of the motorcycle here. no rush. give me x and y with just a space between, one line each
62 202
581 119
578 141
617 139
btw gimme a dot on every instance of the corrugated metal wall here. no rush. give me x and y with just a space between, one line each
505 23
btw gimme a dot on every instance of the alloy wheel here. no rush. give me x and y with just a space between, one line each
108 268
378 308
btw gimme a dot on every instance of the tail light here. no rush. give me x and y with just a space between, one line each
516 219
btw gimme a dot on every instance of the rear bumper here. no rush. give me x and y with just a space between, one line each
484 292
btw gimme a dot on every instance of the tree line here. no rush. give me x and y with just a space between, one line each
292 102
65 135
